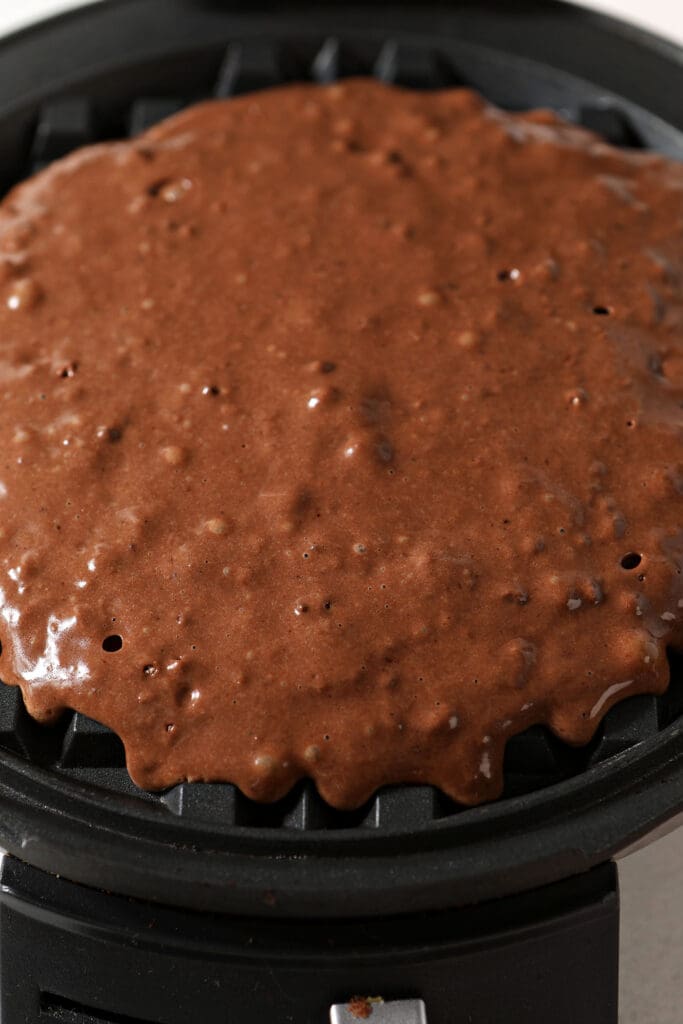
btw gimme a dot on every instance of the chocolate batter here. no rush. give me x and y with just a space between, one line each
341 438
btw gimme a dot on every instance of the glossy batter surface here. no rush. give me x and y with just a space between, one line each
341 437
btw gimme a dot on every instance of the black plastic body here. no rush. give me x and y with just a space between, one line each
194 904
83 957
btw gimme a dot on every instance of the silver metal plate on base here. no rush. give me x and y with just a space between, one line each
397 1011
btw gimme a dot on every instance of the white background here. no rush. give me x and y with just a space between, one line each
651 885
665 16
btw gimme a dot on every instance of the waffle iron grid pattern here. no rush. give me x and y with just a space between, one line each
86 751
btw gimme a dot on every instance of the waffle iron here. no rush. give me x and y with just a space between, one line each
195 904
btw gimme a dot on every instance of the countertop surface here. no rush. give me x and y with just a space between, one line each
651 884
652 879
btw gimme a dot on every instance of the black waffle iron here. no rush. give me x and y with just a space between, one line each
196 905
